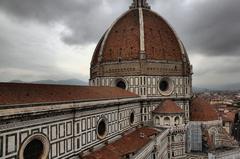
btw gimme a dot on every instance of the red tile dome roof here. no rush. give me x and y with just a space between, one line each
168 106
201 110
139 30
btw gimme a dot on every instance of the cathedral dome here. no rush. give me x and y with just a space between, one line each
141 52
201 110
137 31
139 35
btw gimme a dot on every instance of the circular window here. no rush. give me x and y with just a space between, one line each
166 86
36 146
102 129
132 118
33 150
121 84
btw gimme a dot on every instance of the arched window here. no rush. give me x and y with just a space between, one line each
177 120
157 120
167 121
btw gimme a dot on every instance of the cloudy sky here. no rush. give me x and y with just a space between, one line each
55 39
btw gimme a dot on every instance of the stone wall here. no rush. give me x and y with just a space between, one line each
67 132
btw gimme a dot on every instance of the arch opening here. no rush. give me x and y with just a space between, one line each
167 121
157 120
177 120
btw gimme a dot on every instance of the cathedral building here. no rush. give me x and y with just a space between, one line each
136 107
141 53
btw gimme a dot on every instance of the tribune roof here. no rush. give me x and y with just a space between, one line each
128 144
168 106
21 93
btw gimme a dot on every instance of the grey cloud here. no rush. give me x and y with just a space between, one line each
87 20
23 55
210 27
46 10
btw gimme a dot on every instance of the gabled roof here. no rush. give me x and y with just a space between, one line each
168 106
19 93
201 110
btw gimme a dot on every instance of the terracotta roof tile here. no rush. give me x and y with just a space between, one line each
229 116
15 93
123 39
160 40
201 110
128 144
168 106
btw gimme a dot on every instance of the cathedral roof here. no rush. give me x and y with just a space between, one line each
139 30
168 106
127 145
201 110
15 93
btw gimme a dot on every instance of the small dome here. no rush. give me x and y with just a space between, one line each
201 110
168 106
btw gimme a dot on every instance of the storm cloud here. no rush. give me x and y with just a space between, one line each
210 31
86 19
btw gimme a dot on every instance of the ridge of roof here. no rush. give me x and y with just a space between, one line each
24 93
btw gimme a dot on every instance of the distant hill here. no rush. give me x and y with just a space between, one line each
199 90
226 87
235 86
61 82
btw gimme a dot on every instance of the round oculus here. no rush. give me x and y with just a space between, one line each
132 118
166 86
121 84
36 146
102 129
